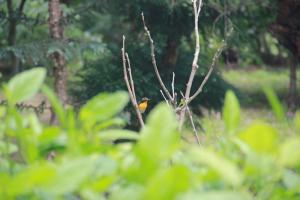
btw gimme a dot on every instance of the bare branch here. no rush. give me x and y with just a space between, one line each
21 7
154 61
129 86
196 55
164 97
195 60
191 119
130 76
173 90
214 61
199 8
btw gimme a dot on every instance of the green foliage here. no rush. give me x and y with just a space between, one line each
24 86
231 111
77 159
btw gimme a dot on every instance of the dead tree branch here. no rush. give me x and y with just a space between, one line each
191 119
130 84
166 91
197 9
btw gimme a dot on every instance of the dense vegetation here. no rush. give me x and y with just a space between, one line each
79 160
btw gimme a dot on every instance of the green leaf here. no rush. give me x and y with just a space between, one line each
277 107
102 107
70 174
7 148
25 85
289 152
226 169
30 178
261 137
291 180
231 111
168 183
216 195
116 134
56 105
159 139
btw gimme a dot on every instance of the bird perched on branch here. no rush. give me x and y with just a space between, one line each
143 104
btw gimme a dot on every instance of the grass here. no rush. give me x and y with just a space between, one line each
254 105
251 82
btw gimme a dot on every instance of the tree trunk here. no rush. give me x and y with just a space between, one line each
13 18
287 30
171 55
292 97
59 68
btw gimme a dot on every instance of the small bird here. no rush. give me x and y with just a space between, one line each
143 104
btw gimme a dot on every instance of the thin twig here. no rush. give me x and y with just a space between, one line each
164 97
173 83
193 125
129 87
154 60
191 119
130 75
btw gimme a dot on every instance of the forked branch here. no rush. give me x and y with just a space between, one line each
130 84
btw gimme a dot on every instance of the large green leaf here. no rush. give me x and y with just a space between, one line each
226 169
7 148
291 180
71 174
261 137
102 107
56 105
116 134
159 138
29 179
216 195
231 111
168 183
276 106
158 141
289 152
25 85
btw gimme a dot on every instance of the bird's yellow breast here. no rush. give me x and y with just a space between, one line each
143 106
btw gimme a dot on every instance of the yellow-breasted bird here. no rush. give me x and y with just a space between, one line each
143 104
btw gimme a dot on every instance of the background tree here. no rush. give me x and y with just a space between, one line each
60 71
287 30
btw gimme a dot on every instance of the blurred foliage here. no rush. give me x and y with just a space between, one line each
77 159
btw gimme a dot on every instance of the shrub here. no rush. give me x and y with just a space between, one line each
242 164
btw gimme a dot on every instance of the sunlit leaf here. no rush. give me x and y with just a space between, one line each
70 174
275 104
56 105
116 134
166 185
289 152
231 111
291 180
25 85
216 195
226 169
261 137
29 179
7 148
159 139
102 107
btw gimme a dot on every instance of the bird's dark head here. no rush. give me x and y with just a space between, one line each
145 99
